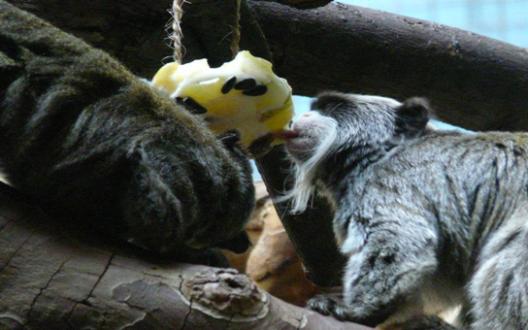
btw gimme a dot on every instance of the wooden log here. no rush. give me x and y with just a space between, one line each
310 231
473 81
55 276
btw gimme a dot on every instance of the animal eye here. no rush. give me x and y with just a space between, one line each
246 84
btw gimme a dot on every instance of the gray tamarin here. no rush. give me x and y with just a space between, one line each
428 219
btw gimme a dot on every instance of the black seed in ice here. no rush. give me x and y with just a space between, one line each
246 84
257 91
191 105
229 84
179 100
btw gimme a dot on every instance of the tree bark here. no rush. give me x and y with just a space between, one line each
54 276
473 81
311 231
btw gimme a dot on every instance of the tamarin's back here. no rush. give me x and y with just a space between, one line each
92 142
467 185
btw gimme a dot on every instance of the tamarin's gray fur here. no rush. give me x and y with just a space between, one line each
428 219
95 144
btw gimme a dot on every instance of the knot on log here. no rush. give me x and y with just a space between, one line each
226 294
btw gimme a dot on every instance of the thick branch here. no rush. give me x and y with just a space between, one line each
54 277
473 81
310 232
322 261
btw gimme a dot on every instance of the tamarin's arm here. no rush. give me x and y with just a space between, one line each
92 142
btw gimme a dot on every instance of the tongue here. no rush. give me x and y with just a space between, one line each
286 134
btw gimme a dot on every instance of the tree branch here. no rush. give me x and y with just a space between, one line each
311 231
473 81
55 276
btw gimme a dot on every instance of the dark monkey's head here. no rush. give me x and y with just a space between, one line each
235 197
341 129
189 188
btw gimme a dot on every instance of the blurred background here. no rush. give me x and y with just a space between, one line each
505 20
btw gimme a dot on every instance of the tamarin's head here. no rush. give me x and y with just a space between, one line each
349 123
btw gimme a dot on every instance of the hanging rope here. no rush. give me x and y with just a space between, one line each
235 42
177 35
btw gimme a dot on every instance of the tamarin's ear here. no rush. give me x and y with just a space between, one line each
327 100
412 116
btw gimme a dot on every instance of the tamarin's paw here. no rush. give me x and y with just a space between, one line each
230 138
327 305
322 304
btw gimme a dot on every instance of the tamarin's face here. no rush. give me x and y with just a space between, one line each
341 122
338 119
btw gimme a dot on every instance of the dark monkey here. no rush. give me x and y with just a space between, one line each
92 142
427 218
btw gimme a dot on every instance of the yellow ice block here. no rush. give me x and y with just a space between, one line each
243 94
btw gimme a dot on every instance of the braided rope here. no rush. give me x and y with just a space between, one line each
177 35
235 43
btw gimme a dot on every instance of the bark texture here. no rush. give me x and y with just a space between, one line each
272 262
311 231
473 81
52 276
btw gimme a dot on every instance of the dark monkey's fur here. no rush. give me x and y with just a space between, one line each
427 218
95 144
